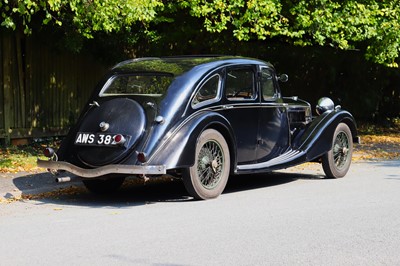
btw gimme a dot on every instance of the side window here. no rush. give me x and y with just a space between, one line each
267 84
239 84
207 92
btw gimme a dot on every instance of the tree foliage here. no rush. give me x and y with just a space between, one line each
87 16
372 26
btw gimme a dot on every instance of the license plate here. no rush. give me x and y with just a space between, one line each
99 139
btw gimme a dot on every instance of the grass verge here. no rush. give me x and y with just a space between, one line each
14 159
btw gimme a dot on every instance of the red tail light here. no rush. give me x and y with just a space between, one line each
48 152
141 157
119 139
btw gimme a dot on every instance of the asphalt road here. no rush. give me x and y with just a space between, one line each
293 217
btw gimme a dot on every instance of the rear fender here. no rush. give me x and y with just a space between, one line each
179 150
317 139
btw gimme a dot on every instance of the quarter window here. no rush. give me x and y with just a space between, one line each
267 84
208 91
240 84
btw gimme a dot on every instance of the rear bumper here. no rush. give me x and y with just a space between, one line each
103 170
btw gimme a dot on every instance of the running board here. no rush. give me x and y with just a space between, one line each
288 158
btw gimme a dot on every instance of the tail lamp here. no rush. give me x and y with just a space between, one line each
48 152
142 157
119 139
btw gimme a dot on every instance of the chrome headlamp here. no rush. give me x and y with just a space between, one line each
324 104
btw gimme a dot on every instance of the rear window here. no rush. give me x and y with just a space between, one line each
137 84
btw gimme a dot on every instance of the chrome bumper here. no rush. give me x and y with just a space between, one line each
103 170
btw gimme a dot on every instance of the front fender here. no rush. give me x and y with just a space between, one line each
179 150
317 139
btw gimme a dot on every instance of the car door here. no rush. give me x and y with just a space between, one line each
241 108
273 134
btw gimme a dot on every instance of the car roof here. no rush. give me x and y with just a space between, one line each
177 65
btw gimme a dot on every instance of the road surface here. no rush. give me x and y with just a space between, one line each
291 217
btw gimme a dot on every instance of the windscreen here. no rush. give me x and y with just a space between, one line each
137 84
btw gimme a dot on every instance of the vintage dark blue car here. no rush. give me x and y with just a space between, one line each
200 119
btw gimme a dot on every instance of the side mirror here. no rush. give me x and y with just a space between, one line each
283 78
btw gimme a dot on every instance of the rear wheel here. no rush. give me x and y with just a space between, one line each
336 162
104 186
207 178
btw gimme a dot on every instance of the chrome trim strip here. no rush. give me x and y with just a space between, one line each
104 170
285 157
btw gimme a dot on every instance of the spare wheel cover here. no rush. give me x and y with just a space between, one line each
123 116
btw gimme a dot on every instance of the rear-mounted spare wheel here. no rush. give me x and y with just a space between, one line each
108 132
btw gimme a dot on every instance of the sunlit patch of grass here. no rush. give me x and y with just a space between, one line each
14 159
379 146
379 141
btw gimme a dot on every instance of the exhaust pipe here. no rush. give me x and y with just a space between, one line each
65 179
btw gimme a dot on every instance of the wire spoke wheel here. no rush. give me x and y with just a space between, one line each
210 164
208 176
341 150
337 161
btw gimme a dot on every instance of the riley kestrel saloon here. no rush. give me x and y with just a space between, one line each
200 119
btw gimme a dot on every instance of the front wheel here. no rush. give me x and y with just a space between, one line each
336 162
207 178
104 186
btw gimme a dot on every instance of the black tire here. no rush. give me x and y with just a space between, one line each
207 178
104 186
337 161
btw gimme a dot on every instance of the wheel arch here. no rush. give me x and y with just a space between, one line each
350 122
179 150
316 141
